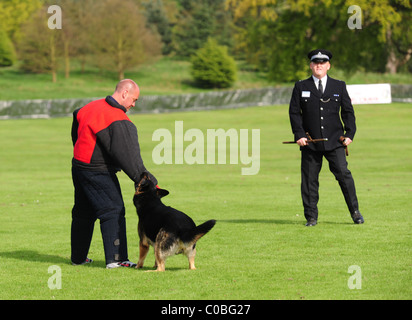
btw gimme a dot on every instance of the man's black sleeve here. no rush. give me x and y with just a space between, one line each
348 114
75 127
295 114
124 149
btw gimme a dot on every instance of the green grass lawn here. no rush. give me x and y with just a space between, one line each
165 76
259 248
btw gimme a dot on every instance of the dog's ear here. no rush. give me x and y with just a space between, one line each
144 175
161 192
143 185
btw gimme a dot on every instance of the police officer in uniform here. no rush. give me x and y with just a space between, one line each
320 107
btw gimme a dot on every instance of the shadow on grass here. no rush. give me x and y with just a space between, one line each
34 256
173 269
271 221
278 221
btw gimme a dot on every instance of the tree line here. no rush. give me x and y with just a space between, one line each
272 35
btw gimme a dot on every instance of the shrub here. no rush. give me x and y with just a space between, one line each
212 67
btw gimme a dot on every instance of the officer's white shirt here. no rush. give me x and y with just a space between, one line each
324 80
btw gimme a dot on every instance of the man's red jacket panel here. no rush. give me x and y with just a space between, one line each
105 139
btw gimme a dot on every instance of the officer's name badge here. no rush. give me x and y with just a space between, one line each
336 95
305 94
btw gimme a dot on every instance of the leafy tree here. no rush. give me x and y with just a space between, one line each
119 36
39 45
113 32
156 13
276 35
14 13
398 38
77 29
212 67
199 20
74 33
7 52
193 28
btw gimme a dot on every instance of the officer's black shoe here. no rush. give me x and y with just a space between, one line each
311 223
357 217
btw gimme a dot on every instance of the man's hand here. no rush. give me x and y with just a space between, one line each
346 141
302 142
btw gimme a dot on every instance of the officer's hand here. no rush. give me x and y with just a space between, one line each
346 142
302 142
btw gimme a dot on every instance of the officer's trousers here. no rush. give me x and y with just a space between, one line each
311 164
97 195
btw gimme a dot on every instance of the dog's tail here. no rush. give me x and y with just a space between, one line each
198 232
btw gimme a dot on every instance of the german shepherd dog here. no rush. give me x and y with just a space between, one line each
168 230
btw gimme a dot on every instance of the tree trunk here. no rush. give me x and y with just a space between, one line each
53 58
120 64
66 59
391 63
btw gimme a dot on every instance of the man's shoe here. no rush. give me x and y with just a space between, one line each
126 264
87 261
357 217
311 223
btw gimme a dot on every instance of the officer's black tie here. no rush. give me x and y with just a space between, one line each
320 87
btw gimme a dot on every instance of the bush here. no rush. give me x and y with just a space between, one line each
212 67
7 52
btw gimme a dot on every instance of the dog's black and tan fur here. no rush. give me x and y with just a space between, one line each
168 230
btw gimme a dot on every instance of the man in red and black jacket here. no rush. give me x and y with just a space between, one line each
105 141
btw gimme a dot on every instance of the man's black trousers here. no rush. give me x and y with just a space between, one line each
310 167
98 196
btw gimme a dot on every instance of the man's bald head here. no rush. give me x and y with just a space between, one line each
126 93
126 84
